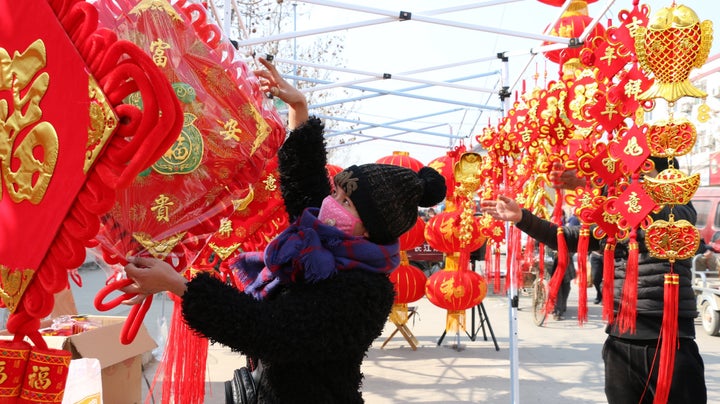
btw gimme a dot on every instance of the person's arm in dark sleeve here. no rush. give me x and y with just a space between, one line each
302 164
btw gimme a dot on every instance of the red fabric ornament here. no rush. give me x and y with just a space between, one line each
45 376
668 337
14 355
68 162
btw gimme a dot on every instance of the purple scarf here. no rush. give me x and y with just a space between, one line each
313 251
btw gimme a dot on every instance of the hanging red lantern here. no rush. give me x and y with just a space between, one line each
560 3
571 24
402 159
333 170
409 283
413 237
442 232
456 290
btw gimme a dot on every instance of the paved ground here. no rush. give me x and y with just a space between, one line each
558 363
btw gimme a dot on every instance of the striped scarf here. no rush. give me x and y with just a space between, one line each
311 251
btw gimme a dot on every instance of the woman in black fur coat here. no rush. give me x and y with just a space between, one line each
319 295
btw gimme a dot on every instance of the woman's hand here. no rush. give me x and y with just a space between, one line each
151 276
503 208
272 82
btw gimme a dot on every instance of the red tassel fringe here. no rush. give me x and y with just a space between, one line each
559 274
182 369
582 257
628 305
608 284
668 338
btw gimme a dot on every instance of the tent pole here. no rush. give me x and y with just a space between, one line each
509 276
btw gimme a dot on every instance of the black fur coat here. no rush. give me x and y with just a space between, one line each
310 338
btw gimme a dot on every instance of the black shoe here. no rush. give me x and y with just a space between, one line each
598 301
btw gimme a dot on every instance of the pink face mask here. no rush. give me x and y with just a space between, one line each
332 213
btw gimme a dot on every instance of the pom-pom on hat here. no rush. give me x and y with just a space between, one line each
387 196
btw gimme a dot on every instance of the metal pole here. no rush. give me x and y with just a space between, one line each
512 290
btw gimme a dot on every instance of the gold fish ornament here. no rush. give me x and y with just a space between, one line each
673 43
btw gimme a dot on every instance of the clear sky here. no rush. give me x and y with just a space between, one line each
408 46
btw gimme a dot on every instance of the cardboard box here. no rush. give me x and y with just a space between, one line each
121 364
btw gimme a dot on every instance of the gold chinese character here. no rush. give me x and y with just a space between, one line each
609 55
632 87
633 148
448 289
225 227
270 183
39 378
609 110
162 208
158 47
231 130
3 375
29 176
633 203
609 164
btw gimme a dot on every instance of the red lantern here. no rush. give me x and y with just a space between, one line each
456 290
409 283
571 25
333 170
560 3
442 232
402 159
413 237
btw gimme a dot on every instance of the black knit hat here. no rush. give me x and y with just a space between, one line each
387 196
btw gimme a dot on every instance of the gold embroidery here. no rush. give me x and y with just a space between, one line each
21 75
231 129
158 249
13 285
271 183
633 203
158 5
448 289
158 48
39 378
633 148
103 122
162 208
226 228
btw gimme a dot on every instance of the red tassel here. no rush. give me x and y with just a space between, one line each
182 369
496 268
608 285
582 257
668 338
628 305
557 277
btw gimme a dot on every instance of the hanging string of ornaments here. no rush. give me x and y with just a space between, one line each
592 120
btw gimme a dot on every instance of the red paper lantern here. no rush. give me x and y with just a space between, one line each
333 170
456 290
402 159
445 165
442 232
560 3
571 25
413 237
409 282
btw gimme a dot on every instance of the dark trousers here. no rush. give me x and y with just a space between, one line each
628 363
596 271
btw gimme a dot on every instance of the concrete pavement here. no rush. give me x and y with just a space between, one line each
557 363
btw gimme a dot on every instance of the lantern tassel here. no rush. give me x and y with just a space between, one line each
559 274
582 255
668 338
608 283
496 270
628 306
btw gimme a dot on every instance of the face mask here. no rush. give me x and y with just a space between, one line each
332 213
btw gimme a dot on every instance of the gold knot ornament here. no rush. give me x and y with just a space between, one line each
673 43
